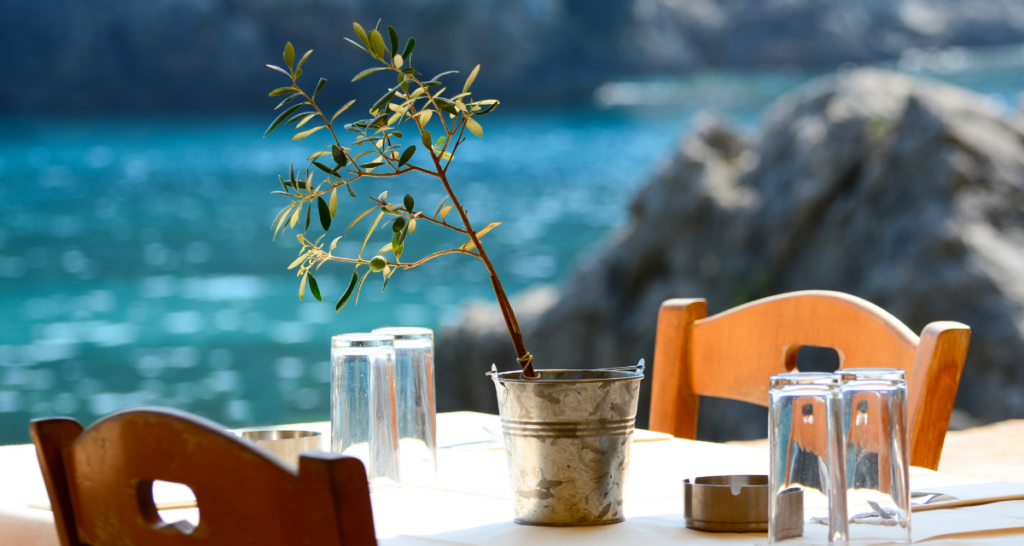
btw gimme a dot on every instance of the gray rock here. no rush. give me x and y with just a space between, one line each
906 192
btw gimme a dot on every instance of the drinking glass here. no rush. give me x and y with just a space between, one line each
874 420
363 416
414 390
806 478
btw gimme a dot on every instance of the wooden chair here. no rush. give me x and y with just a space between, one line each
732 355
100 485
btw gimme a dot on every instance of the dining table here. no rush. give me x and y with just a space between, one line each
469 500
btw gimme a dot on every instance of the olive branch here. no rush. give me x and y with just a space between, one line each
377 153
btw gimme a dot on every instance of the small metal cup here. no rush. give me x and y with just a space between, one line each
286 444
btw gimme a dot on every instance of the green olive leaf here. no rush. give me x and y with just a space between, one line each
342 109
446 105
279 69
362 34
308 117
368 233
377 106
299 260
303 59
367 72
409 46
443 74
360 289
439 205
306 133
393 34
282 91
286 101
348 291
320 85
338 155
488 107
323 167
360 217
406 156
359 47
325 213
470 79
398 224
314 287
280 118
376 43
474 127
289 55
298 116
333 203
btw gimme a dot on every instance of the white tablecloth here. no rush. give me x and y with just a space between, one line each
470 502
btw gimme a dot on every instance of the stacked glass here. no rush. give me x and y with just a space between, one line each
839 443
874 420
363 416
806 478
414 390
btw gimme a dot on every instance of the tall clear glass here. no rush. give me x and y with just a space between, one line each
875 442
363 414
806 478
414 388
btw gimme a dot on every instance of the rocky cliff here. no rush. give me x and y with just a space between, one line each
209 55
906 192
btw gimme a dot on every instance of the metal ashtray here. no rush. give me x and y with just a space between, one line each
286 444
739 504
734 504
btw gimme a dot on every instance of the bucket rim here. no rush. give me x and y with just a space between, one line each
510 376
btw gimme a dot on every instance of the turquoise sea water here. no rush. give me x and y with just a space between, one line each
137 264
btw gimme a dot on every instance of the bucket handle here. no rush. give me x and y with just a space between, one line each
494 375
639 368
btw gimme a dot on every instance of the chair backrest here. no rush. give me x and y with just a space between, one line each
100 485
732 355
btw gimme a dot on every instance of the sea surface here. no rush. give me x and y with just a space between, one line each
138 267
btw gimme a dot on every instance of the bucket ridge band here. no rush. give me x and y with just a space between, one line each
568 429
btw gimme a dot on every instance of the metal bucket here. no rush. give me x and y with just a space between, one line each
567 439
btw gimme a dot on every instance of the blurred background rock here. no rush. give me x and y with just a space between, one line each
208 55
136 266
907 193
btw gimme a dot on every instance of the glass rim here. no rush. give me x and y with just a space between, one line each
871 374
344 341
823 379
402 333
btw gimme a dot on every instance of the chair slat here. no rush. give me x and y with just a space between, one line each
100 484
733 354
